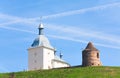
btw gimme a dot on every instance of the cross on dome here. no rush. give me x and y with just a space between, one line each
41 27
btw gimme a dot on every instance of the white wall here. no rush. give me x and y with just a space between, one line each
40 58
57 64
35 58
48 56
43 58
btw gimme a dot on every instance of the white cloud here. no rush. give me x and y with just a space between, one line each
80 11
64 38
16 29
15 19
79 32
73 31
101 7
83 41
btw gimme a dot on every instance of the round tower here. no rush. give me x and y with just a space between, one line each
91 56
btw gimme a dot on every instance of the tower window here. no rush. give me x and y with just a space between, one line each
97 55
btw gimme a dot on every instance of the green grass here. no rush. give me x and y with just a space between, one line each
78 72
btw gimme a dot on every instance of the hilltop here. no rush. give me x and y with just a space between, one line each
77 72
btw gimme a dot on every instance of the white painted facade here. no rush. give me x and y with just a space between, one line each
40 58
41 54
59 63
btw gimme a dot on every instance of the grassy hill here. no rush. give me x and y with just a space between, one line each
78 72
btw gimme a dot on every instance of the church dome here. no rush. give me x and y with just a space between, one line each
41 40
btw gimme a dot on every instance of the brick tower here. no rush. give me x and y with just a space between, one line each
90 56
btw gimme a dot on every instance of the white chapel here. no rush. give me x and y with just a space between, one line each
41 55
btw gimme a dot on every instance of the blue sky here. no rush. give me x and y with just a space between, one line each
69 25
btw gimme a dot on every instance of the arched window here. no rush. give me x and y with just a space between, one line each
97 55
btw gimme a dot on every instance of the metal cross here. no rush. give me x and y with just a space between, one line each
41 19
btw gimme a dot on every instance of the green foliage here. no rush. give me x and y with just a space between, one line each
78 72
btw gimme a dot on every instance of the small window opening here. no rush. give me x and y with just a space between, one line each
97 55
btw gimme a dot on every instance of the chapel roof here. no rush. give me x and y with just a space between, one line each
41 40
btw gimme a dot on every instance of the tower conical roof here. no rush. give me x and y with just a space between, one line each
90 46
